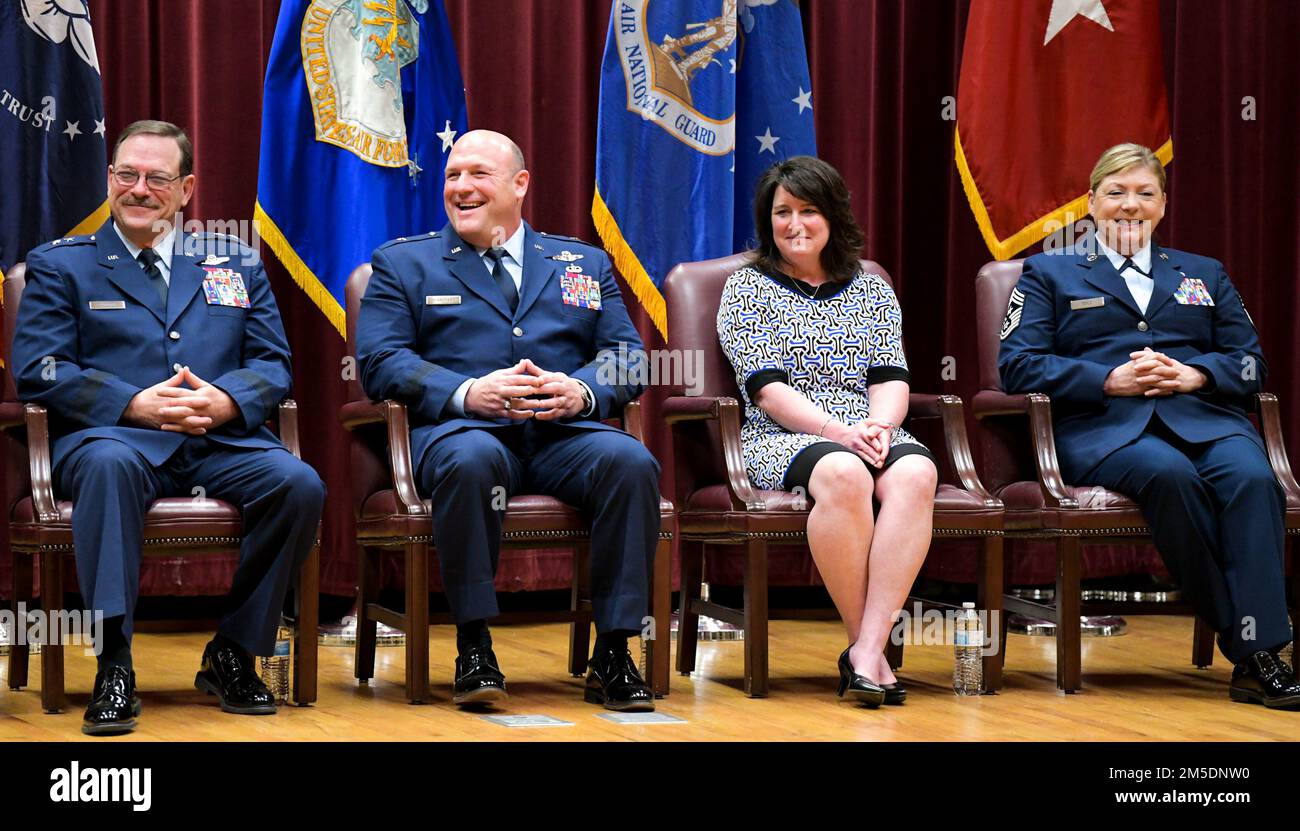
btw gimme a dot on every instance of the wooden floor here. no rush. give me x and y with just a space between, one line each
1137 687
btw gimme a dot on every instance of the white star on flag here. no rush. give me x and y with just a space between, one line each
767 141
1063 11
99 126
72 131
804 100
448 136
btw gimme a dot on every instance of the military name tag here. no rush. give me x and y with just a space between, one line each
1089 303
107 304
442 300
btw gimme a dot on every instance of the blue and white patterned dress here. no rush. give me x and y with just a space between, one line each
830 349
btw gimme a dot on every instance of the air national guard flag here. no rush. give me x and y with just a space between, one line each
697 99
363 100
1045 87
52 131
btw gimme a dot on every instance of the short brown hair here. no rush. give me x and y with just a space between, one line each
1120 158
166 129
812 180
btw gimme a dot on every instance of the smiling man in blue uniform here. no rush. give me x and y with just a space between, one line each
1150 357
160 356
510 346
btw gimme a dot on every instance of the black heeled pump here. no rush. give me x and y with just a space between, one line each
860 687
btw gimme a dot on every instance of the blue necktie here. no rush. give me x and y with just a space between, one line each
502 277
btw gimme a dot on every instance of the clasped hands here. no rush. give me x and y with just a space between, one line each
1152 374
868 438
525 391
172 407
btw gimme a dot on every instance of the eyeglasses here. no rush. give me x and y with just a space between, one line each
155 181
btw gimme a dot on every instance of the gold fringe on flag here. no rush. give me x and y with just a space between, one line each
627 263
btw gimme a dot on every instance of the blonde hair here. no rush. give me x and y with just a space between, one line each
1120 158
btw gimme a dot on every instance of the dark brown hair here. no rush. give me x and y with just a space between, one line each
160 128
815 181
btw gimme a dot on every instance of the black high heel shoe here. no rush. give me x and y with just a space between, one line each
863 689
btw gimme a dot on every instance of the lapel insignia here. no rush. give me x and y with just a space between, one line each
456 250
1164 256
1092 258
112 256
566 256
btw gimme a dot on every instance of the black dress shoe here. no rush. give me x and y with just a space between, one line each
615 682
895 693
227 672
1264 679
858 687
114 707
478 677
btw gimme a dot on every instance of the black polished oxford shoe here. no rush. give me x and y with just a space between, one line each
227 672
1265 679
479 679
614 682
114 707
859 687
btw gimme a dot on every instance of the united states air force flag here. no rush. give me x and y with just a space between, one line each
363 100
697 99
52 134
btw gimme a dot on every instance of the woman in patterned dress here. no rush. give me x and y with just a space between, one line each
817 347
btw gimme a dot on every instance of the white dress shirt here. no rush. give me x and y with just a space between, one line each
1139 285
164 247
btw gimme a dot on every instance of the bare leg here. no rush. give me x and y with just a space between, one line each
839 532
904 527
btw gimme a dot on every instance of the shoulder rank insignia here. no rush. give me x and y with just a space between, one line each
1092 258
1164 256
566 256
1015 308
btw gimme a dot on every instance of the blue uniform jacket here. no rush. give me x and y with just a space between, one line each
1072 319
92 332
432 318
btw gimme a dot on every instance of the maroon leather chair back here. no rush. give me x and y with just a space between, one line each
17 477
353 291
368 445
15 282
1004 442
692 293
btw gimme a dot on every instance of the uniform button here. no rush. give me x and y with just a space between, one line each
519 333
176 367
174 335
1142 327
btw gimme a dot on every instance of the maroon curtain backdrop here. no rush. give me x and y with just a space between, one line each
880 72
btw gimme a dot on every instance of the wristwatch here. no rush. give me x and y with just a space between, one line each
586 400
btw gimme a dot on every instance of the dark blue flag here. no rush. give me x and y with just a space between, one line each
697 99
52 135
363 100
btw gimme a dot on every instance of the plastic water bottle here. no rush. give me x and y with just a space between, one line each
968 671
275 667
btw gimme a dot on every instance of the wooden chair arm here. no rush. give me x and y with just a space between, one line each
1270 424
38 458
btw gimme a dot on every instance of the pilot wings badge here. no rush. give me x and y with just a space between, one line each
353 52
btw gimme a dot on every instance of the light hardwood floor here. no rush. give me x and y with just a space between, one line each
1138 687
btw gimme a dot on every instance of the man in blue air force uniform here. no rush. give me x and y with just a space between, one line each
159 363
1150 358
504 343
